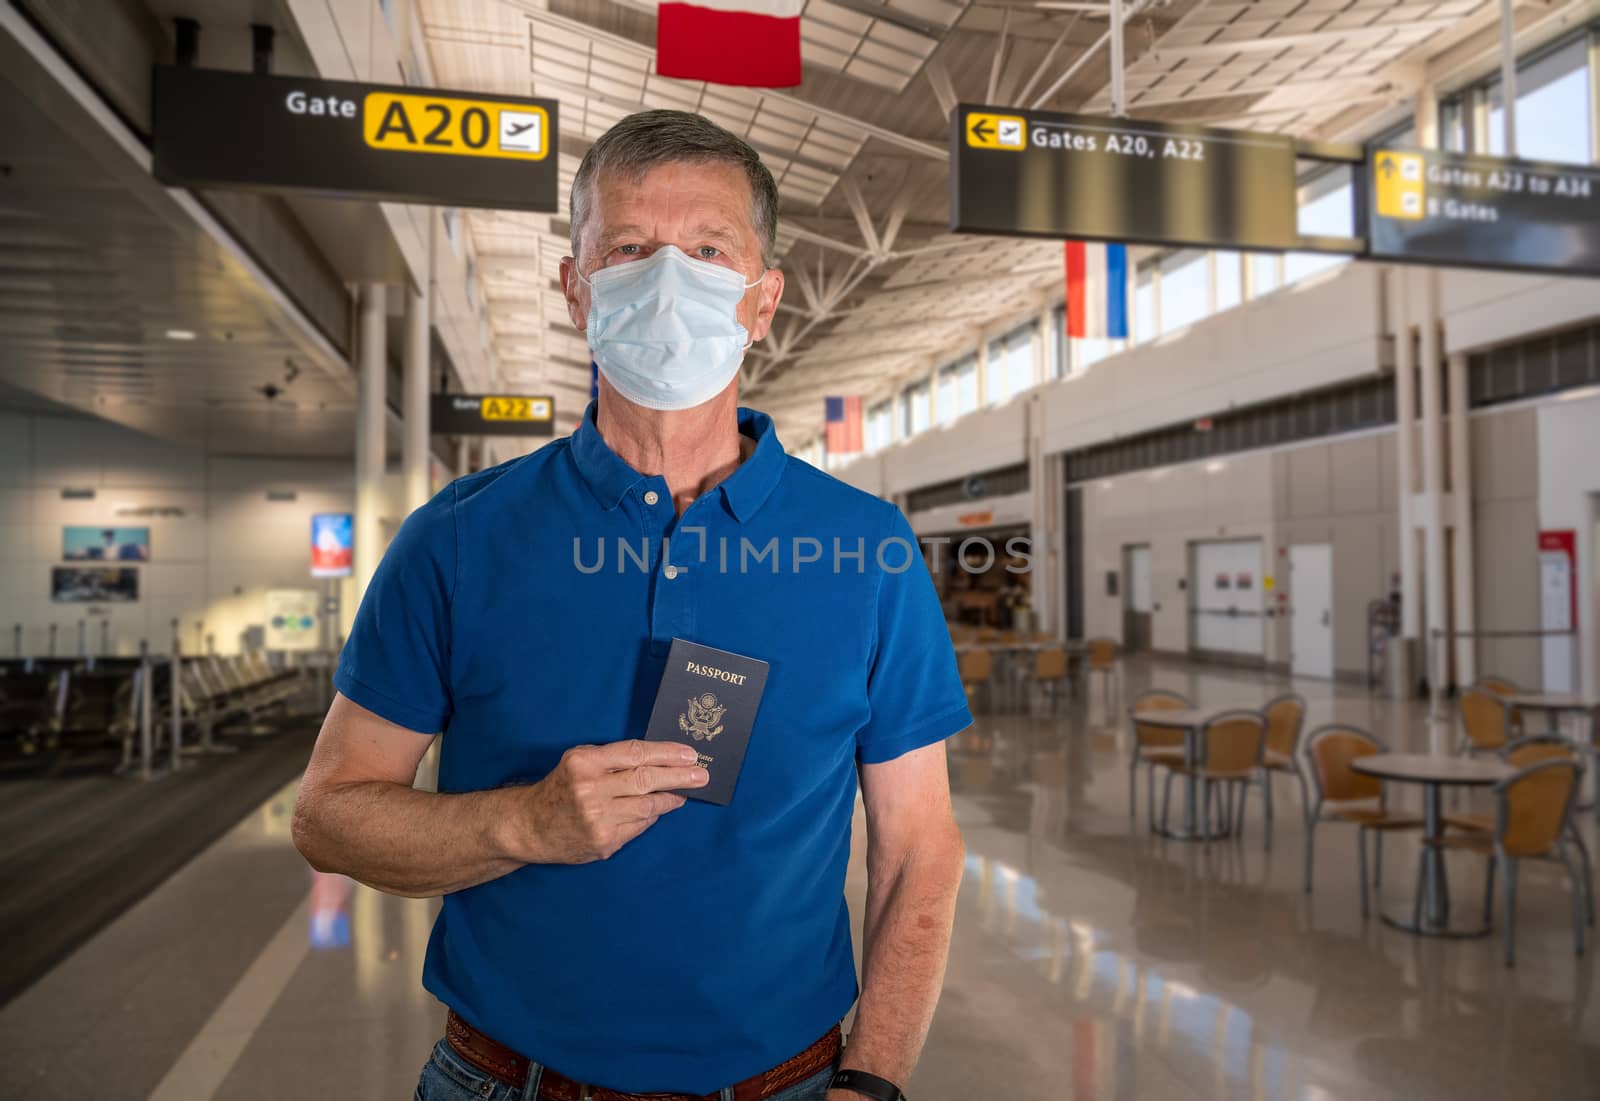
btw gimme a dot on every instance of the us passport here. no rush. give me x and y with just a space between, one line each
708 701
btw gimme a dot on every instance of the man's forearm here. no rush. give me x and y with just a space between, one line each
404 841
910 907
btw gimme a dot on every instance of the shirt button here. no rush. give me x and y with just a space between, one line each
671 572
651 496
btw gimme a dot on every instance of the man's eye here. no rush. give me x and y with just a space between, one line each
707 252
628 250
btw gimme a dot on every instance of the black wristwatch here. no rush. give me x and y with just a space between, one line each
867 1085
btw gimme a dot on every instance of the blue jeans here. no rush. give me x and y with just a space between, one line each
448 1077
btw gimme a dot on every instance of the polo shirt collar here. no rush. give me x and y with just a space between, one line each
608 476
745 490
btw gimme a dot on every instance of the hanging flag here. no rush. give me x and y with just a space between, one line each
752 43
1097 290
594 380
843 431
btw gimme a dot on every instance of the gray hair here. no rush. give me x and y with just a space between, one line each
644 140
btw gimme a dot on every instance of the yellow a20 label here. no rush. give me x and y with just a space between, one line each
413 123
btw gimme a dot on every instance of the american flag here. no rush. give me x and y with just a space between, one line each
843 434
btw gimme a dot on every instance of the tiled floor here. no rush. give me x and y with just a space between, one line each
1090 960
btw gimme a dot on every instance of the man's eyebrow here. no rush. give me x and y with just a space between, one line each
614 232
715 232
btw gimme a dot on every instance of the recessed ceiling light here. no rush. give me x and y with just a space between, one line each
180 334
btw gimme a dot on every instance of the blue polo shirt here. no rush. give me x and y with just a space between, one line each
527 609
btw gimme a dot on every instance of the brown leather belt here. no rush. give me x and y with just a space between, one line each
500 1062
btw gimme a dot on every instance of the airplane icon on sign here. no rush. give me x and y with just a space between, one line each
521 132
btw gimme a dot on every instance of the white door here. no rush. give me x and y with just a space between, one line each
1311 597
1139 579
1225 584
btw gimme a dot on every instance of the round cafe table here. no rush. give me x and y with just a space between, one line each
1434 774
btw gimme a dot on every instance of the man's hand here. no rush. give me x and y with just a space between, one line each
599 798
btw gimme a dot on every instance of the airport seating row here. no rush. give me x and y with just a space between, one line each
215 690
50 707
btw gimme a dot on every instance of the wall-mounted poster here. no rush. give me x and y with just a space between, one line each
1224 581
94 585
92 544
292 619
1243 581
332 544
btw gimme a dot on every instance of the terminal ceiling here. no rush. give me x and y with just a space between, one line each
100 265
877 287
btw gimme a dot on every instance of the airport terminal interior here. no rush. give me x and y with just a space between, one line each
1236 364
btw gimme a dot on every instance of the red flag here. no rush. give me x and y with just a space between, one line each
753 43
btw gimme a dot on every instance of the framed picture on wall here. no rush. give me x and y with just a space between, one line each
86 543
94 585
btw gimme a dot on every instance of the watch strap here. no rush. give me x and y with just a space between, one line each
867 1085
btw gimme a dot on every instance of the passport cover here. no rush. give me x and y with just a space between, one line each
708 700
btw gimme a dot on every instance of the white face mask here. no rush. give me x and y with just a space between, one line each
665 331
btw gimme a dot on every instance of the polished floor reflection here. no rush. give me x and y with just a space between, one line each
1090 960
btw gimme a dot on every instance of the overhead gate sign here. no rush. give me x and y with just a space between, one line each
1434 207
366 141
493 415
1041 174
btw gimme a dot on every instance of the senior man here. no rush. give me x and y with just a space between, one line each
600 936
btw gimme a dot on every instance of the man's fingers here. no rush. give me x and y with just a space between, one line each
643 781
636 753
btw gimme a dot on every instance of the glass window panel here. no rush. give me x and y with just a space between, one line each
994 375
880 425
1553 105
1229 290
1264 268
1144 308
947 396
1091 351
1060 349
1328 214
967 386
1019 360
1184 297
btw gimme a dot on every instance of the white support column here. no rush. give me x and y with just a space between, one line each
1508 76
1405 408
1119 95
371 425
1042 580
1462 567
1041 346
983 370
1432 392
933 396
414 412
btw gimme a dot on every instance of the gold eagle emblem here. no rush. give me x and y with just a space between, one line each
702 721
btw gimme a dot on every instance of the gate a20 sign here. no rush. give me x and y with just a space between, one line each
367 141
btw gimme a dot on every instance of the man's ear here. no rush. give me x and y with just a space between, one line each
771 291
576 292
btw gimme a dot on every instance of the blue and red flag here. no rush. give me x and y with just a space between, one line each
842 427
1097 290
